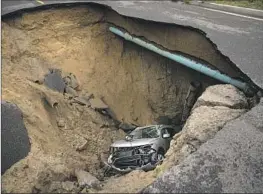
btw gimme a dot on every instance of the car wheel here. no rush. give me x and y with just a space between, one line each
160 155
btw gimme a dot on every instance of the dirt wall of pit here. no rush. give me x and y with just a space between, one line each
137 84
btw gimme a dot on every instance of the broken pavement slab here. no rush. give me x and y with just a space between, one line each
223 95
228 163
205 121
69 90
97 103
82 101
16 143
71 81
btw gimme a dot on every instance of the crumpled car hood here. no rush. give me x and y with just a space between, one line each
133 143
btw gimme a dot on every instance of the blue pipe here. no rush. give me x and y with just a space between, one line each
183 60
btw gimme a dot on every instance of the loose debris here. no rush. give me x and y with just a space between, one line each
71 91
98 104
82 146
54 80
82 101
61 122
85 179
71 81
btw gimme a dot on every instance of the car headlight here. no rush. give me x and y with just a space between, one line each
148 147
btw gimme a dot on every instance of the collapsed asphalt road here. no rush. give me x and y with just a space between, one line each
48 36
15 141
238 38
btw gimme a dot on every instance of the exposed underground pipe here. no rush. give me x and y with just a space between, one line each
184 61
50 100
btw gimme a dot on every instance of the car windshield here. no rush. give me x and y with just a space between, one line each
147 132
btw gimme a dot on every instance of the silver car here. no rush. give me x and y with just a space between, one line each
143 146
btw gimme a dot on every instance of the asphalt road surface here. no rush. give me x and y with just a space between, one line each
15 141
238 37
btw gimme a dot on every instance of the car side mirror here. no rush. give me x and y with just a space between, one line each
166 135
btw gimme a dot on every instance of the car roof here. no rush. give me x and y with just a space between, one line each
158 126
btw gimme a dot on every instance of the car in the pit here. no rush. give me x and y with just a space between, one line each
143 148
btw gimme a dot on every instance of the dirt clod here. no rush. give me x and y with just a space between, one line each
85 179
61 122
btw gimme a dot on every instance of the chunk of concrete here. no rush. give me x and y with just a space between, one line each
98 104
71 91
82 146
231 162
71 81
82 101
205 121
61 122
86 179
201 126
222 95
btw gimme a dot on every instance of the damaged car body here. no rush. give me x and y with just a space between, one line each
144 148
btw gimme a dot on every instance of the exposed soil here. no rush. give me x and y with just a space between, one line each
138 85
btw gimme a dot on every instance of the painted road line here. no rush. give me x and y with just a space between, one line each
41 2
245 8
234 14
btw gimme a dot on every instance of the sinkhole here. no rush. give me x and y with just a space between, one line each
139 86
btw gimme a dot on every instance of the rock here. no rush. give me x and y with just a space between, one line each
71 81
61 122
86 179
54 187
98 104
222 95
201 126
70 186
79 143
50 180
83 190
204 122
82 101
57 187
231 162
83 146
71 91
111 115
66 80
